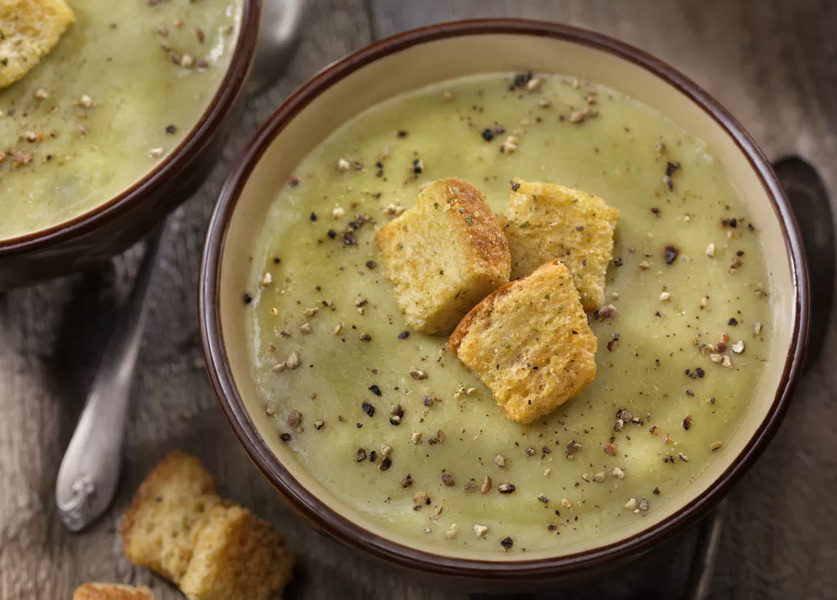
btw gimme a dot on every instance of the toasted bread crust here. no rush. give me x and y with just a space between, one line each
544 221
530 343
111 591
443 255
483 237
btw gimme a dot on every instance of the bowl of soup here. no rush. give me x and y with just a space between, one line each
114 127
374 432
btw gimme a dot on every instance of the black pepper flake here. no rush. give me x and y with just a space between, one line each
618 262
514 186
247 298
368 408
365 337
732 321
373 456
656 211
671 167
671 253
376 390
313 216
285 437
407 481
488 135
403 335
385 464
371 264
417 168
520 80
733 222
700 372
687 422
656 491
349 239
360 456
428 401
506 488
507 543
171 129
401 134
543 499
447 479
332 234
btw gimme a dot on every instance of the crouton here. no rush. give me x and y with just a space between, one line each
444 255
163 521
237 556
29 29
546 221
112 591
530 343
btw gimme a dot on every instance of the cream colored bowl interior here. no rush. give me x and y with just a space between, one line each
454 57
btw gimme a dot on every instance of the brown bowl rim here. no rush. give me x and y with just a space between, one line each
172 165
353 534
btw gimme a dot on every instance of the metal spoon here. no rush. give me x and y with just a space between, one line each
90 468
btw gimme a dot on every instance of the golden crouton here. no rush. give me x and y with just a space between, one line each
28 30
529 342
112 591
162 523
237 557
547 221
444 255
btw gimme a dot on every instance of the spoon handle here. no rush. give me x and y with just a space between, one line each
90 469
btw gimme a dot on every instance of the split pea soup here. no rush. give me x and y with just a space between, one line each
121 89
399 429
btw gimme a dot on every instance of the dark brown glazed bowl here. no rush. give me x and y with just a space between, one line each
114 225
417 58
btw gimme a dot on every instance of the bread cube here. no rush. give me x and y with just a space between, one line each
444 255
111 591
30 29
237 556
545 221
530 343
162 523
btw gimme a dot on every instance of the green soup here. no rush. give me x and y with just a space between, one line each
687 271
121 89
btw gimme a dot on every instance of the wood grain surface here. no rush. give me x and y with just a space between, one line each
773 63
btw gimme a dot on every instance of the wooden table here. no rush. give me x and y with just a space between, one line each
773 63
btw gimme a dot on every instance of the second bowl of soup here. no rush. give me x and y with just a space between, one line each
115 126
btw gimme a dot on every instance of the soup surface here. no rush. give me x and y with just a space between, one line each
414 454
122 88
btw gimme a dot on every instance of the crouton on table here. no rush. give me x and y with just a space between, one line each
545 221
444 255
30 29
111 591
213 549
162 523
530 343
237 555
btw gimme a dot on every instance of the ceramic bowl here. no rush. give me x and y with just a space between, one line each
112 226
415 59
